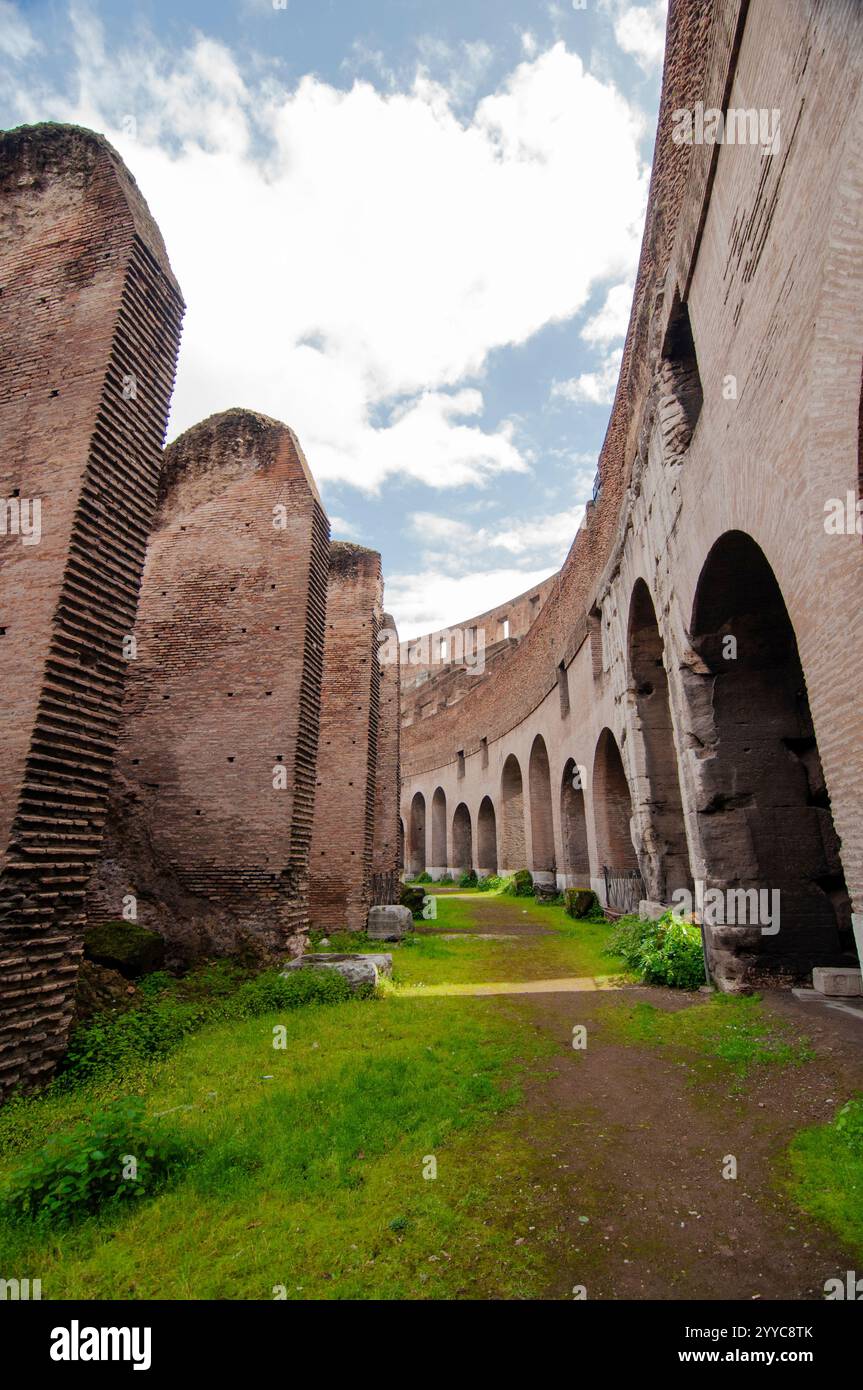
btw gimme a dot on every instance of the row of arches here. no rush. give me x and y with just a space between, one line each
760 811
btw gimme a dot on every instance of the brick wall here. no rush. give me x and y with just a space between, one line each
212 805
385 854
343 838
90 315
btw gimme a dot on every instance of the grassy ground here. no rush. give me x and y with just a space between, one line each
310 1174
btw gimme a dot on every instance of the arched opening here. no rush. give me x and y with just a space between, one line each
512 849
486 838
438 831
541 818
462 840
763 810
612 807
417 835
573 824
665 853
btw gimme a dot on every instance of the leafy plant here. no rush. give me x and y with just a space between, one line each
663 952
118 1156
849 1125
468 880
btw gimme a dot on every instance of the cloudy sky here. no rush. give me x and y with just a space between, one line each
409 228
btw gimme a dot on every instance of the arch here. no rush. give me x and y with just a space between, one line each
486 836
573 823
665 852
512 847
764 811
462 840
438 830
417 835
541 815
612 806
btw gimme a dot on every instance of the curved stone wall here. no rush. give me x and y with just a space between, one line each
735 423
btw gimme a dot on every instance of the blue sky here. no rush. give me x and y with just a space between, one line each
409 229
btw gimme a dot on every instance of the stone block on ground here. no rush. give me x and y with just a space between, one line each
358 970
837 981
389 923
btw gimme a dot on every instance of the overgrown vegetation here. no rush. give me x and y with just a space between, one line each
116 1157
663 952
174 1008
468 880
825 1173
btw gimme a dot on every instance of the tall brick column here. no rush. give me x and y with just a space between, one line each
385 853
90 319
211 815
343 839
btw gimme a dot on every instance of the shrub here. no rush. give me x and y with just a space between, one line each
521 884
114 1042
468 880
580 902
446 878
492 882
849 1125
663 952
77 1174
422 878
271 992
414 898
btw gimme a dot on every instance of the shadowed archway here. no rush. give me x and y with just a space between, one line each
462 840
417 835
438 830
573 824
513 854
764 810
541 815
665 854
486 838
612 807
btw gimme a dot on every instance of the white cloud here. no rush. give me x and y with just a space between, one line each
16 38
612 320
431 599
343 250
595 388
340 529
640 31
450 543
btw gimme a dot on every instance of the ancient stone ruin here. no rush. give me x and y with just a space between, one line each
91 322
673 715
235 670
678 711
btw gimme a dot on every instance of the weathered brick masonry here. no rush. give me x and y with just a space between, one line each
90 319
212 808
385 856
343 839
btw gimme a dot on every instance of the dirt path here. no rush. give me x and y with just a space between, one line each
630 1144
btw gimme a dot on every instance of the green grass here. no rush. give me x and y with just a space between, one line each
570 947
729 1033
824 1177
299 1177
